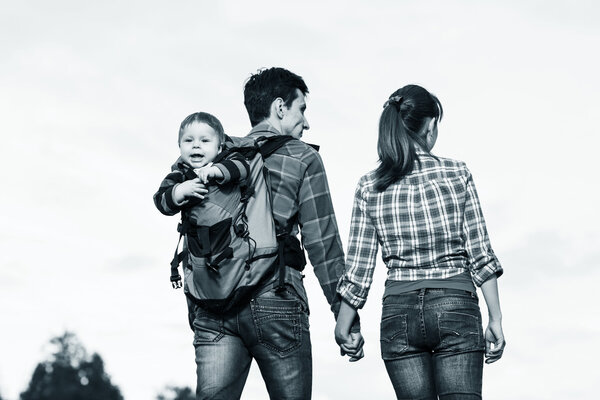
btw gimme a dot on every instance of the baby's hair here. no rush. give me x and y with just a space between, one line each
205 118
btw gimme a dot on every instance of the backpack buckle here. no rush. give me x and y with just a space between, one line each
176 281
213 267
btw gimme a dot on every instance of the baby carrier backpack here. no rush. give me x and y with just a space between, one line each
233 245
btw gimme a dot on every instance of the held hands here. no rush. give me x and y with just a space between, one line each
207 172
351 343
193 188
494 342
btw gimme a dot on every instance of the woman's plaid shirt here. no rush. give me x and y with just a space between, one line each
429 226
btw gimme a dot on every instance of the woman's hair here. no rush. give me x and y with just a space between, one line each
204 118
401 121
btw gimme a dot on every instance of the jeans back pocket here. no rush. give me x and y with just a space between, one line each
394 336
460 330
278 323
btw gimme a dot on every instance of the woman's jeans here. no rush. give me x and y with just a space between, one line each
432 344
273 329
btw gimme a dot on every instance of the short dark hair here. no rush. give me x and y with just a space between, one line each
403 116
205 118
262 88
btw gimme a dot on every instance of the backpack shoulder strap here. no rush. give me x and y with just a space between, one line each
269 145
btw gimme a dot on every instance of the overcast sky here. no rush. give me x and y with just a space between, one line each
92 96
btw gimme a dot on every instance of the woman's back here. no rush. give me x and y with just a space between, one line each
429 224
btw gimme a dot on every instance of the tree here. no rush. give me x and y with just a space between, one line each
70 374
176 393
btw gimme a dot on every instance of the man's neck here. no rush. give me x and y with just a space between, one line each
274 123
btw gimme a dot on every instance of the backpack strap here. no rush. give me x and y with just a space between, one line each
268 146
182 228
271 144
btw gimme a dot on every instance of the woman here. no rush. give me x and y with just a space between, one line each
424 212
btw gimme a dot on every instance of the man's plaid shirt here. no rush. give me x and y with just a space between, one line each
429 226
299 187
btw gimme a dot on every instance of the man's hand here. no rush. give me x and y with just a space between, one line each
208 172
353 347
189 189
351 343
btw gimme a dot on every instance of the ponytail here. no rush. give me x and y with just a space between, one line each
401 120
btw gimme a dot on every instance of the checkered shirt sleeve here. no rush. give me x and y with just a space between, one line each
299 185
362 253
482 261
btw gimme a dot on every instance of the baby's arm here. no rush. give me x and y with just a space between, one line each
210 171
231 170
186 190
174 191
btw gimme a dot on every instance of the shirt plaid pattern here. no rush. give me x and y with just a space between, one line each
429 226
299 187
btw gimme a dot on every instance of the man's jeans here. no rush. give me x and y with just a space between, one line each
272 329
432 344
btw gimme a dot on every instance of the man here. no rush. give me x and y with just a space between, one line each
273 327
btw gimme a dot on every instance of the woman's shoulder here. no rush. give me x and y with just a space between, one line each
444 164
366 184
367 181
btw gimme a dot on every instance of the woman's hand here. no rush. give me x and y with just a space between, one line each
351 343
494 342
494 338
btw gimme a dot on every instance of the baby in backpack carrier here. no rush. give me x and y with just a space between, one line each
201 139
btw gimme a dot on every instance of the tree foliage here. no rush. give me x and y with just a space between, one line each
176 393
70 374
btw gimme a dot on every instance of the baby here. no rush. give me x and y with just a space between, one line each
201 138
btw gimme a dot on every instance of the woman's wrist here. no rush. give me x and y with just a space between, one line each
493 317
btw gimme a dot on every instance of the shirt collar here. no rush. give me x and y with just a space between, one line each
264 129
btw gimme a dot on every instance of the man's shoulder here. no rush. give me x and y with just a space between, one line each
299 149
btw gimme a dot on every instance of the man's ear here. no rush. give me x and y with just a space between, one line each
277 107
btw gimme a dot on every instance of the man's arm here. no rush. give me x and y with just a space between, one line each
319 229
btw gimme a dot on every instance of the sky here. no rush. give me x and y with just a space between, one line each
91 98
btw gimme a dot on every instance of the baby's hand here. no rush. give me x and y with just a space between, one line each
208 172
189 189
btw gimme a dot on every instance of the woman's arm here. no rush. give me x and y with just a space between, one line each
494 337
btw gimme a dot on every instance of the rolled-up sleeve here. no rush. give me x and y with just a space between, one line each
354 284
482 261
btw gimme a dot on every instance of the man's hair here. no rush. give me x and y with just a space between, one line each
262 88
205 118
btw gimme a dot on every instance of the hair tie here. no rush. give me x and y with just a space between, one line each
394 100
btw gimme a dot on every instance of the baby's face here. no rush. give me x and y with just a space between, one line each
199 144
